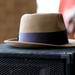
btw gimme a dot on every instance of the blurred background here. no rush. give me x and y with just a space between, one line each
10 14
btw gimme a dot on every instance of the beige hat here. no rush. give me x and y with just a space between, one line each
41 30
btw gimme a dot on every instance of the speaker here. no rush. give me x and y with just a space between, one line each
21 61
31 64
73 63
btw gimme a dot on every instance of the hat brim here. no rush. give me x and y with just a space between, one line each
15 43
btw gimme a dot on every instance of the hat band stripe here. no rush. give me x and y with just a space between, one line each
47 37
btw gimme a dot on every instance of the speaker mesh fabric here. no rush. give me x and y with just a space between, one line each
31 66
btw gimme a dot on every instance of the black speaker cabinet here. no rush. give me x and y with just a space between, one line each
16 61
73 64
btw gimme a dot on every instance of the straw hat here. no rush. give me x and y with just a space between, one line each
41 30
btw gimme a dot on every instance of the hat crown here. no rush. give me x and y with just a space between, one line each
41 23
43 28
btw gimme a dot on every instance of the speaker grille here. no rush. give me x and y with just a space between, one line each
31 66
